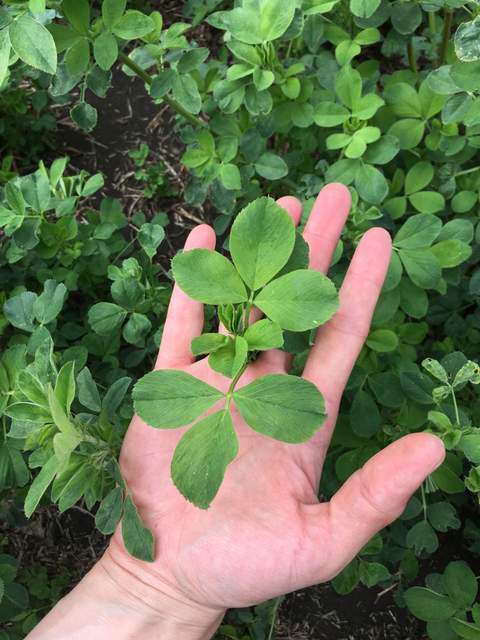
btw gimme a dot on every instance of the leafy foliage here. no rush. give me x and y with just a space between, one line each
382 96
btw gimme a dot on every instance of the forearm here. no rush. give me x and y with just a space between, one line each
111 603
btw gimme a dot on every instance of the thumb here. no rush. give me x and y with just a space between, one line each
372 498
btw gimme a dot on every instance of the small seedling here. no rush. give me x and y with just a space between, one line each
268 271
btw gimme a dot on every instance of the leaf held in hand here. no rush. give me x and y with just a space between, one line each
202 456
283 407
167 399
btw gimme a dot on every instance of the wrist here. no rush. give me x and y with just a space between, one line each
115 600
160 606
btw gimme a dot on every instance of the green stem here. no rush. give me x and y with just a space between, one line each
455 406
246 313
274 616
412 60
148 79
233 384
447 27
432 23
466 171
424 502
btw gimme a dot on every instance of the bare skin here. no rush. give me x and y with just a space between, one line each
266 533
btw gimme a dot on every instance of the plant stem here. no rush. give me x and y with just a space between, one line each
424 501
447 27
412 61
432 22
455 406
148 79
274 616
466 171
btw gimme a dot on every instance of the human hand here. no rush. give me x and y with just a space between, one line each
266 533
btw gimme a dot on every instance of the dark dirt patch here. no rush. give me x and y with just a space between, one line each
319 613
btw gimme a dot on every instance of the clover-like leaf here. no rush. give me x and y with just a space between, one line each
299 300
264 335
208 277
168 398
202 456
283 407
261 241
229 359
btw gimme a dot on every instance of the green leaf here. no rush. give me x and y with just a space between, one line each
418 231
87 391
105 318
85 116
299 300
50 302
150 238
264 335
256 23
230 176
40 484
115 396
371 184
128 293
418 177
168 399
467 41
348 86
451 253
185 91
31 387
19 311
136 329
422 538
283 407
202 456
137 538
77 12
364 8
74 488
435 369
36 7
271 166
422 267
365 417
208 277
29 412
465 629
373 573
208 343
33 44
261 241
428 605
461 584
5 47
382 340
65 386
109 512
299 258
470 445
330 114
105 50
427 201
408 131
133 24
112 11
229 359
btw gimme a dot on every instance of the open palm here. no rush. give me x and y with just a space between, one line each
266 533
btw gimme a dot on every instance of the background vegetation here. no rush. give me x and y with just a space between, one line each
264 97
